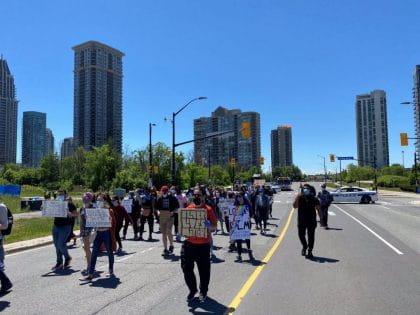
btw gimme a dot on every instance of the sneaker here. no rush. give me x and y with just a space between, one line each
119 251
239 258
191 296
326 227
57 266
141 238
171 249
251 256
310 255
303 252
67 263
123 237
111 274
87 278
6 287
150 238
165 252
202 297
231 248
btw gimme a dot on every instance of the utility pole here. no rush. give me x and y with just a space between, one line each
415 171
150 155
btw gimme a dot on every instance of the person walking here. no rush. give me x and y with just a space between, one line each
6 284
196 250
103 236
147 210
241 212
261 211
120 215
325 200
166 205
61 231
182 202
86 232
307 205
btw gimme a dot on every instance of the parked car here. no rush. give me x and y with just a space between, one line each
354 194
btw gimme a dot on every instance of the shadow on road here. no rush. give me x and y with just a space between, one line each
4 305
323 260
334 229
210 306
173 258
106 283
215 260
254 262
121 254
270 235
60 273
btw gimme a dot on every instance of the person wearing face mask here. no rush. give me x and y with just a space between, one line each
262 204
307 205
61 231
166 204
196 250
325 200
241 206
120 215
86 232
147 210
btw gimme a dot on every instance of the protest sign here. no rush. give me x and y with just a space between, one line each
259 182
240 226
98 217
54 208
225 205
192 222
127 203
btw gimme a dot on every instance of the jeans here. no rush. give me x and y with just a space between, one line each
311 235
60 235
239 245
134 218
200 254
3 278
1 255
102 237
324 211
149 220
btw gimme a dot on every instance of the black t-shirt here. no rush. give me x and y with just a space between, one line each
68 220
306 210
168 203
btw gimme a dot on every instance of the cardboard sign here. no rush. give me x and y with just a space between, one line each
225 205
127 203
259 182
98 217
240 226
54 208
192 222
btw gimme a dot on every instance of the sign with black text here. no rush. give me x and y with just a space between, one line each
240 226
98 217
54 208
192 222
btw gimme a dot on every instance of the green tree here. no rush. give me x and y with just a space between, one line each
394 169
50 171
291 171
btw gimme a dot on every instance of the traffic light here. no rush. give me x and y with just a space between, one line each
404 139
156 169
332 158
261 160
246 130
233 162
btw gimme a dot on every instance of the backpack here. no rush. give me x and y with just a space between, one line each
10 223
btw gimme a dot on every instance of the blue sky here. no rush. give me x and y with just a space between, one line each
296 62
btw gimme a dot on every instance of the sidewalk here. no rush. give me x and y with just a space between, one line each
33 243
398 194
27 215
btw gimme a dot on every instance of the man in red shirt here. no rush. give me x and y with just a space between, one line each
197 250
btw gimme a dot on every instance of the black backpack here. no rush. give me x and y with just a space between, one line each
10 223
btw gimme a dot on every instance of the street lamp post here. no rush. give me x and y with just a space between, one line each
174 114
150 155
325 168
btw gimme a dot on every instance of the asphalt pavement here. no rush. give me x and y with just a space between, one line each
356 271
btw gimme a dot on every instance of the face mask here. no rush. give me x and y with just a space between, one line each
99 204
197 201
173 192
306 192
60 197
115 203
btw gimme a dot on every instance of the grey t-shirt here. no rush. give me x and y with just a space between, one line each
4 221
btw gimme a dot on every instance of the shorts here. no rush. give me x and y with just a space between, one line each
166 224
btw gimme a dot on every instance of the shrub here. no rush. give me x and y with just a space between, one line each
393 181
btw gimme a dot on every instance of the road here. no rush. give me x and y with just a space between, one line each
356 271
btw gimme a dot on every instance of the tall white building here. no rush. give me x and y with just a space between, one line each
416 105
372 129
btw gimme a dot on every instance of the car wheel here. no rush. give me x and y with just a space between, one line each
365 199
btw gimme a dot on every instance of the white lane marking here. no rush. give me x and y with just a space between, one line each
277 201
128 257
331 213
384 207
371 231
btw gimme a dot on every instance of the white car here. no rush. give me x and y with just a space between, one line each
354 194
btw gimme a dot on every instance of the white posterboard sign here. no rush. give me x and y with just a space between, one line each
127 203
54 208
192 222
225 205
240 226
98 217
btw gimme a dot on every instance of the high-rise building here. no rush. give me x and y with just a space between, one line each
222 149
97 95
372 129
49 142
8 114
281 147
416 105
67 147
33 138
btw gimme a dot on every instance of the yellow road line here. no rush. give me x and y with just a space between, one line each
248 284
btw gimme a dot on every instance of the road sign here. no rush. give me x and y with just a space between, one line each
332 158
342 158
